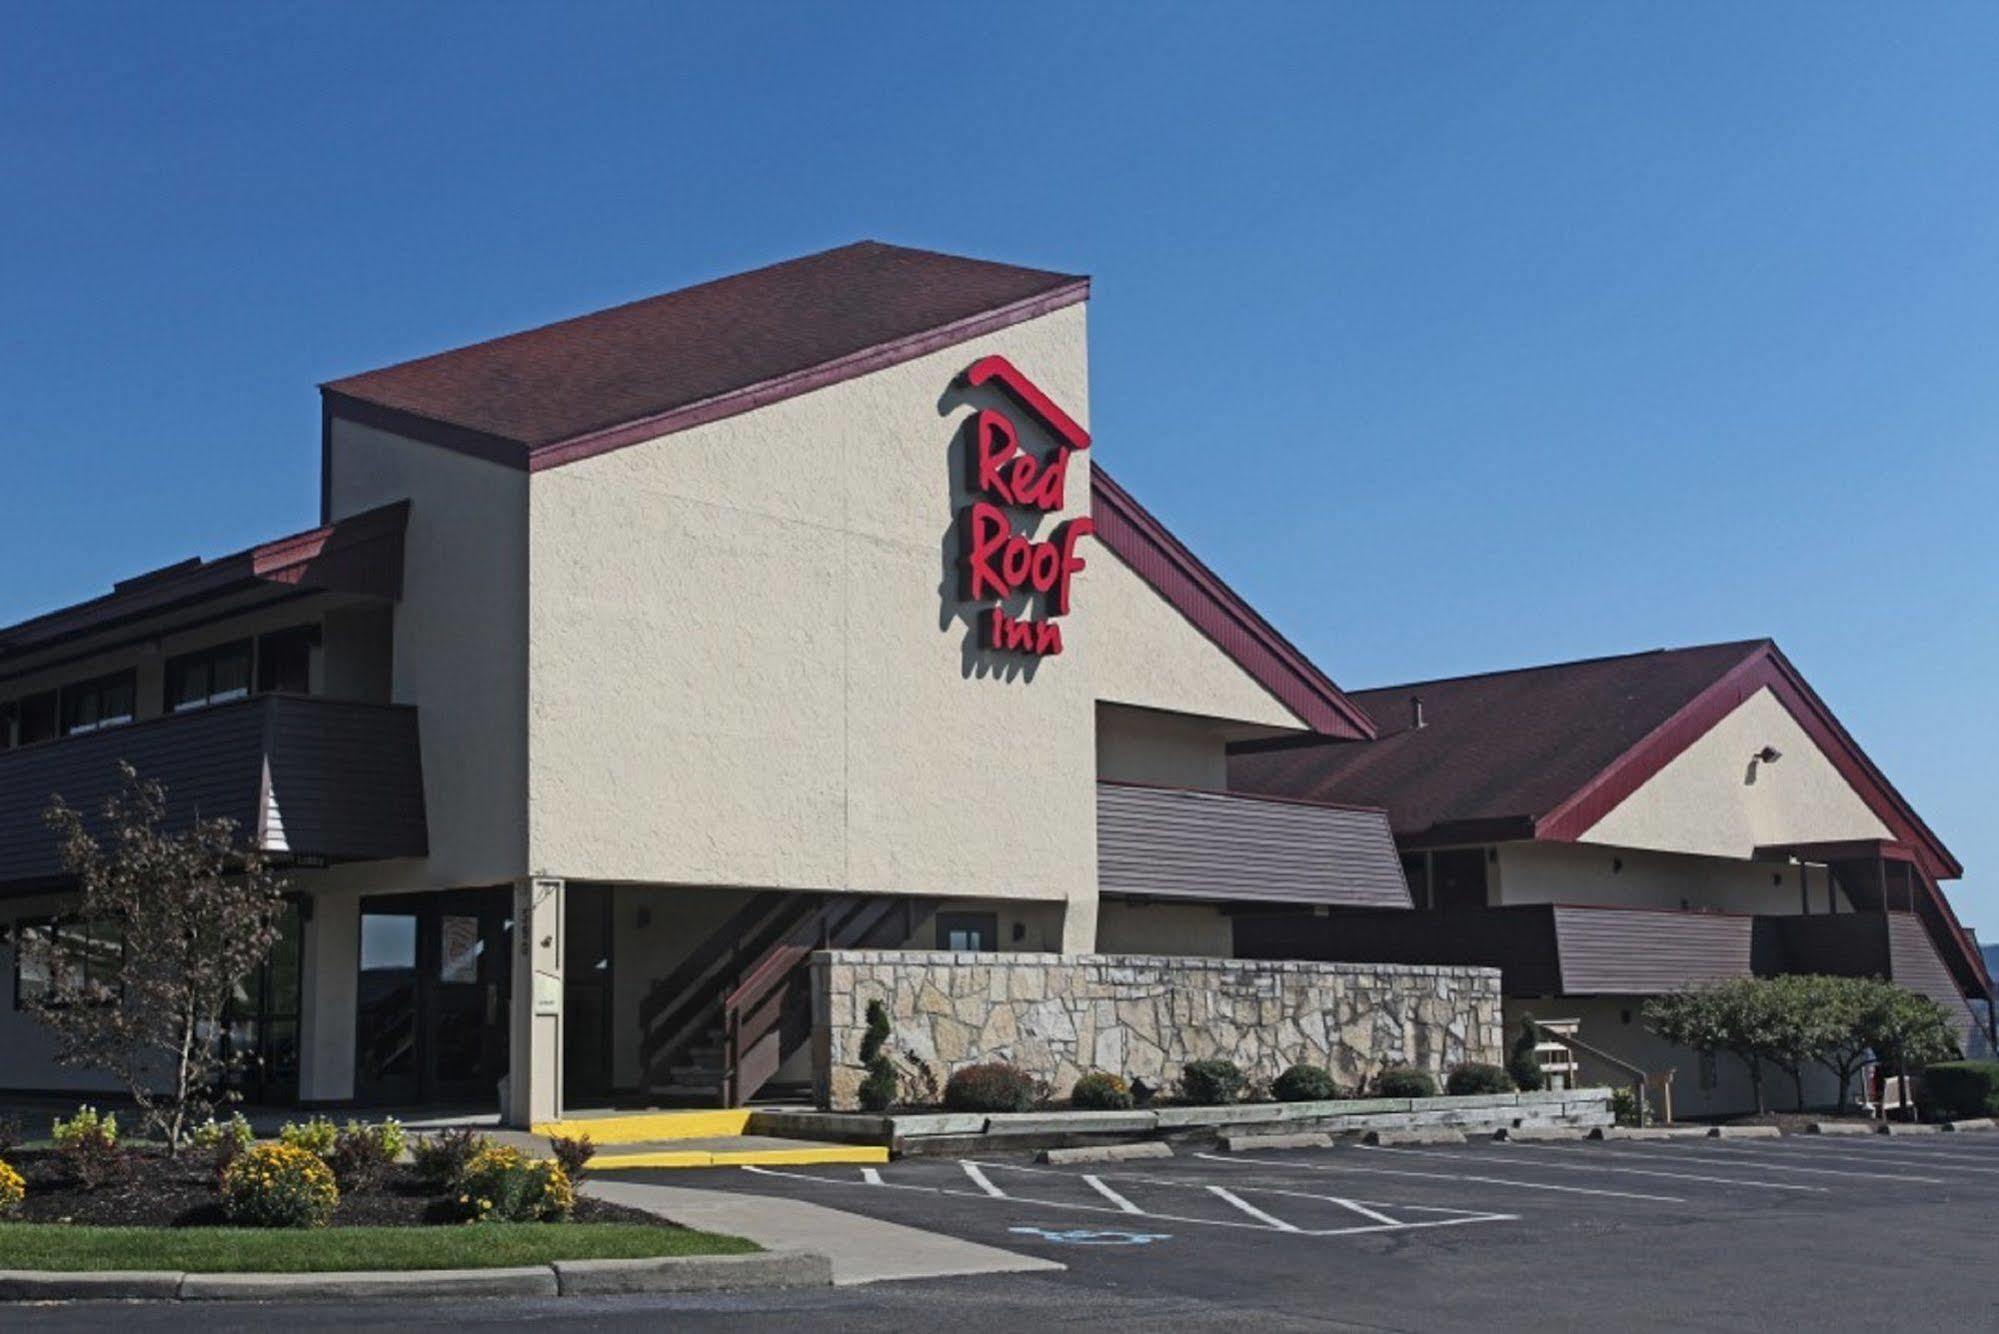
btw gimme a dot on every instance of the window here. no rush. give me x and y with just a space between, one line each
968 932
57 955
23 722
284 661
211 676
90 706
1460 878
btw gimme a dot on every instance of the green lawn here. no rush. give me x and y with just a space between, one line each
267 1251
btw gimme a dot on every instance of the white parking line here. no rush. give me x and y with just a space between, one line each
1839 1155
1097 1185
1264 1220
1236 1158
1761 1164
980 1180
1898 1153
1222 1194
1599 1167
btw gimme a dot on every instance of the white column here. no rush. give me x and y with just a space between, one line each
1079 925
534 1077
331 955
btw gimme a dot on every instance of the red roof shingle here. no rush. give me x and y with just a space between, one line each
669 353
1500 747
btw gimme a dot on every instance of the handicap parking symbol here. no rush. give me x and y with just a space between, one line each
1083 1236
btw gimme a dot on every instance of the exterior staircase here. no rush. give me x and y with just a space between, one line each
717 1029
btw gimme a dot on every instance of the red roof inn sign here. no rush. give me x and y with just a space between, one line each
999 562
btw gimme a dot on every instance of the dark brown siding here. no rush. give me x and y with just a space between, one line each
1914 963
1842 944
1632 952
346 779
1519 941
1176 843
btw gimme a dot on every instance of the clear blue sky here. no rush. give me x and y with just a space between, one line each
1457 337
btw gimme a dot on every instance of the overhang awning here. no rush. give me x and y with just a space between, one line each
361 554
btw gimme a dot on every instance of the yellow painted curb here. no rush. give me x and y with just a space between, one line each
832 1153
646 1127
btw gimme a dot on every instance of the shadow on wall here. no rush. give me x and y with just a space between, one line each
960 466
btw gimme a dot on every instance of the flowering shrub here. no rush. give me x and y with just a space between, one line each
572 1154
316 1136
504 1185
442 1158
12 1190
88 1143
279 1185
1100 1093
361 1155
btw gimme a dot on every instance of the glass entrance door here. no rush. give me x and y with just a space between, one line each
433 997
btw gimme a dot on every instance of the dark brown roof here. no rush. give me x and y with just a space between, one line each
1504 748
668 354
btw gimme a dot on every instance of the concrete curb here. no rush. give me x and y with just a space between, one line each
1104 1153
1839 1128
1908 1128
563 1278
1744 1132
1536 1134
1975 1123
1254 1143
1433 1135
1649 1132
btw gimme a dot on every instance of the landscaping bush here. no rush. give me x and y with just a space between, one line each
223 1140
992 1087
1477 1077
442 1158
1624 1107
504 1185
13 1190
1211 1083
362 1155
1405 1081
1524 1064
316 1136
1305 1083
572 1154
881 1086
1960 1090
88 1143
1101 1092
279 1185
12 1132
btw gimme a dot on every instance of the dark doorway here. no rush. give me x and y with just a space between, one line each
586 995
433 997
261 1021
1459 878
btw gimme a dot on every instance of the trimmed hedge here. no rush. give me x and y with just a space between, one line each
1405 1081
1101 1093
1477 1077
992 1087
1305 1083
1961 1090
1212 1083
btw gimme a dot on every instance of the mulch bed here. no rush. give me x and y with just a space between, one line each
160 1192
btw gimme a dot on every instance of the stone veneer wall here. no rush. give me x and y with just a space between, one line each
1059 1016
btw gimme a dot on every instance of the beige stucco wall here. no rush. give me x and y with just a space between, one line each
748 665
1195 929
1139 746
459 636
1712 799
1583 873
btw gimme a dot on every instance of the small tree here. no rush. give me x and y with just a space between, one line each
198 916
1525 1062
1801 1022
1737 1016
1908 1031
1846 1049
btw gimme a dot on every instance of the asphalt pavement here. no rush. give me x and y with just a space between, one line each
1853 1234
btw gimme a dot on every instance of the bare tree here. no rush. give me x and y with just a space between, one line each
194 916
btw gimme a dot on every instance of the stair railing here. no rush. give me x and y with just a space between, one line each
1638 1078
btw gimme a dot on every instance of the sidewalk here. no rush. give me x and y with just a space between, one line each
863 1250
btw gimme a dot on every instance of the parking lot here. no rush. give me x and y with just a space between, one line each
1690 1234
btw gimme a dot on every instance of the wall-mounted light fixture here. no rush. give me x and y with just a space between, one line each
1769 755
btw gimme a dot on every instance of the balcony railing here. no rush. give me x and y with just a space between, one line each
309 778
